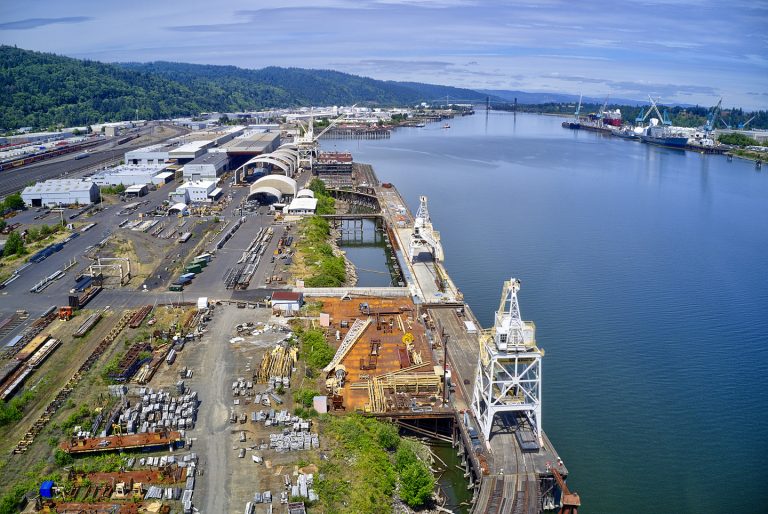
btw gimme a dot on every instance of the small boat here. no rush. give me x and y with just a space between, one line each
446 126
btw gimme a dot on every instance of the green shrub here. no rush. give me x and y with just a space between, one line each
304 397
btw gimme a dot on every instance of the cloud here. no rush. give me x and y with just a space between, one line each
643 88
33 23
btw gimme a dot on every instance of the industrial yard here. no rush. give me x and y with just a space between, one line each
171 353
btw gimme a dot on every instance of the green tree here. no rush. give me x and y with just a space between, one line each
416 485
14 245
62 458
14 201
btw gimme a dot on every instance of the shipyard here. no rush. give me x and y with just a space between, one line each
202 274
653 127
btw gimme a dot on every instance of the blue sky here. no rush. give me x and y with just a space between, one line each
680 50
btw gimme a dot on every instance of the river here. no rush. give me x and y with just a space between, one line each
646 272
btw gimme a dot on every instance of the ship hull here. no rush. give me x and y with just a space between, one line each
672 142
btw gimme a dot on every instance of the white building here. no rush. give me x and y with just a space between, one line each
207 167
193 191
190 151
61 192
136 190
149 155
303 204
129 175
287 301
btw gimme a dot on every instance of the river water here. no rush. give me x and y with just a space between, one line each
646 272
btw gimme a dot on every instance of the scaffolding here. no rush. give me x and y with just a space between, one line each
124 274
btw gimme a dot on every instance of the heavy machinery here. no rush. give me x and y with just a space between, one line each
509 368
65 313
424 237
570 502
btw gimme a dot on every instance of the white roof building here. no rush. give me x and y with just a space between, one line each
129 175
190 151
149 155
194 191
61 192
305 193
302 206
209 166
276 186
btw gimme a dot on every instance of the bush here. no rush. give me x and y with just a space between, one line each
304 397
62 458
78 417
14 410
737 139
416 485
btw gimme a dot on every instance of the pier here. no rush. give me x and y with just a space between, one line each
518 473
417 356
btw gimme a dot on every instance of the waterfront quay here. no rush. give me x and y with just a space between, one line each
511 464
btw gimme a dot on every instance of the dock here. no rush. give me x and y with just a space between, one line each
414 355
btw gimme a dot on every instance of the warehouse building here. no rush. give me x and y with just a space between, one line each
272 188
130 175
149 155
61 192
193 191
287 301
136 190
209 166
190 151
302 207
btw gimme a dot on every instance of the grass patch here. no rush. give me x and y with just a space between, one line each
324 269
314 349
370 463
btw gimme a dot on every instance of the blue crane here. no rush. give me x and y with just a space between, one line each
712 117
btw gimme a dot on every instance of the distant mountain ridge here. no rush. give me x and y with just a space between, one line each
41 89
528 98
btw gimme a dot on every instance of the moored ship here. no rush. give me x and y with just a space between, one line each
664 136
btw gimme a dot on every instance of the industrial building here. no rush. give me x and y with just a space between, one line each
136 190
150 155
61 192
287 301
190 151
193 191
131 174
251 144
217 135
302 207
332 163
209 166
272 188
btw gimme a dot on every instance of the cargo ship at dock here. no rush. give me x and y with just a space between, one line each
664 136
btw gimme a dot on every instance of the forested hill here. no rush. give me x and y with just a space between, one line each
43 90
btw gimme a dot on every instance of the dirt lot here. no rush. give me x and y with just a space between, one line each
228 482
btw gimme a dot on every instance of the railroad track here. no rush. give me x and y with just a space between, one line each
64 393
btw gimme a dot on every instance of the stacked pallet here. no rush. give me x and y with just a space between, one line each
276 363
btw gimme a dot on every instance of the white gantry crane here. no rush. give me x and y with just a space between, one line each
307 144
424 238
509 367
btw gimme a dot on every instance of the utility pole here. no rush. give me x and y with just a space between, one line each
444 341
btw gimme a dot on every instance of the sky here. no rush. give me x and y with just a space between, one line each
681 51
